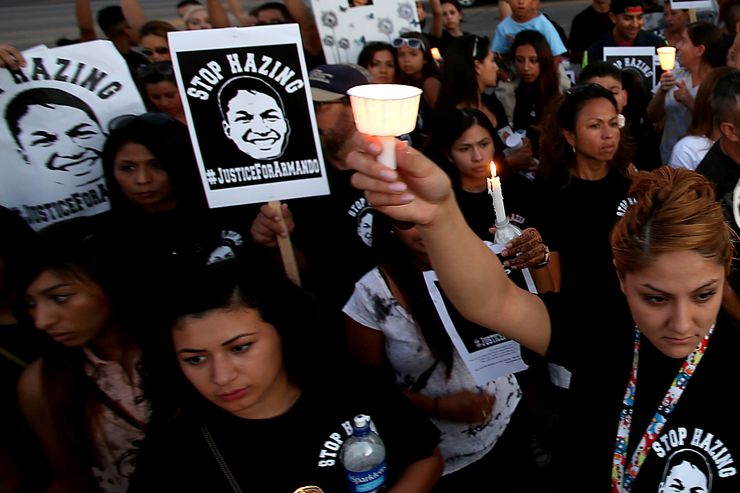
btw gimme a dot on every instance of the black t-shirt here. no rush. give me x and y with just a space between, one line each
576 221
597 349
724 173
281 454
587 27
335 233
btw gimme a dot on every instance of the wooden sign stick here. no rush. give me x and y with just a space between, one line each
692 15
286 248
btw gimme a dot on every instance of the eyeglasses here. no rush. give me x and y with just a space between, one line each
162 68
159 50
413 43
125 121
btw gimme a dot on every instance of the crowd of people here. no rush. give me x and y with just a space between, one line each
160 345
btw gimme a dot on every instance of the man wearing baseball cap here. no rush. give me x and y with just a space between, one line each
327 229
627 16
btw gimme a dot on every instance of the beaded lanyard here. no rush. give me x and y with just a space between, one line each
621 482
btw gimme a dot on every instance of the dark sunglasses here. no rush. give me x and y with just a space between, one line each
162 68
124 121
159 50
412 43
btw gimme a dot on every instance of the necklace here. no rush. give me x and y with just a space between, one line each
621 481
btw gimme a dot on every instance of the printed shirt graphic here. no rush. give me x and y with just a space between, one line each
56 112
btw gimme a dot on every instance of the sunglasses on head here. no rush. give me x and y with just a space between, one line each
413 43
159 50
124 121
162 68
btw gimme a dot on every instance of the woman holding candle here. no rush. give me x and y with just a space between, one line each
626 421
469 145
481 433
699 50
262 401
583 178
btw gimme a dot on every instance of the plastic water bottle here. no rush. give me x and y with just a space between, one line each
363 458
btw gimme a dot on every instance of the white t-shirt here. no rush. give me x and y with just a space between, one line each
689 151
373 306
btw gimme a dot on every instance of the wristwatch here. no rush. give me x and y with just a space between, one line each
547 259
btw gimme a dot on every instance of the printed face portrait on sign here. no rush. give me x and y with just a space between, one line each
254 117
638 61
57 132
250 115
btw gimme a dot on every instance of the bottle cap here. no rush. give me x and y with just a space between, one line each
309 489
360 421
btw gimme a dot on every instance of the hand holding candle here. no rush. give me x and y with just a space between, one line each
494 189
385 111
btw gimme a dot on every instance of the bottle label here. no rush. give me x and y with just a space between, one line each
367 481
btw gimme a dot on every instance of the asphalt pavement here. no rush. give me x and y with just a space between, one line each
26 23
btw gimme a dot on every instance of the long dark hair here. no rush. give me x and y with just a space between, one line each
546 86
459 80
76 249
365 58
556 156
397 261
168 140
308 354
457 122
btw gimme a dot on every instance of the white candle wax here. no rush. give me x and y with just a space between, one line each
494 188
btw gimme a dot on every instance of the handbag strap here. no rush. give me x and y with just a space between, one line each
421 382
219 458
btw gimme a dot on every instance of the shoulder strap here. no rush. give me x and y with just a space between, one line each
219 458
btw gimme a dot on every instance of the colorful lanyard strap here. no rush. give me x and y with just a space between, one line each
621 482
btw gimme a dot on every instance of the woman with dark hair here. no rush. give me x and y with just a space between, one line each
648 373
262 402
158 206
83 398
538 82
469 144
699 50
158 85
703 131
407 337
379 59
583 176
469 74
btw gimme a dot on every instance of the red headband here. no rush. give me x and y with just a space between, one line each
633 10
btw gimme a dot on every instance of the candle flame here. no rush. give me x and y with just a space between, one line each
493 169
435 54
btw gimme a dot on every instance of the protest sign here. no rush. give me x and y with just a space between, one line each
346 26
639 59
56 112
250 114
486 354
691 4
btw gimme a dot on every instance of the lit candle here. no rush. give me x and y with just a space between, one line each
494 189
435 54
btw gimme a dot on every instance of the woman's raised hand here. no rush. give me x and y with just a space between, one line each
415 192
